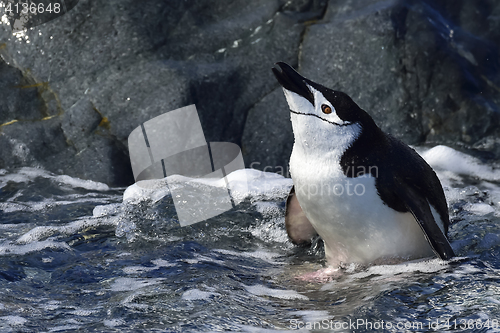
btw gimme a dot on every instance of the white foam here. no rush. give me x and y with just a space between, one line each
13 320
158 263
313 316
40 232
83 183
10 249
272 230
381 272
162 263
103 210
154 189
243 183
197 294
271 233
35 206
113 322
425 266
259 254
261 290
246 183
479 208
64 328
493 300
26 174
455 308
452 194
268 209
128 284
446 158
468 269
51 305
255 329
83 313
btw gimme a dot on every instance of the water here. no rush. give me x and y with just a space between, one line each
75 256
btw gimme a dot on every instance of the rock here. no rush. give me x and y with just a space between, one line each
268 137
411 68
152 58
79 122
18 97
31 143
427 71
354 50
78 85
43 143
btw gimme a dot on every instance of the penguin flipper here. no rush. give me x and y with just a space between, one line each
418 205
299 228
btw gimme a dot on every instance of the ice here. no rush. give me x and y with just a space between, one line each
260 290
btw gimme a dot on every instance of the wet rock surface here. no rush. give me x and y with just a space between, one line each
74 88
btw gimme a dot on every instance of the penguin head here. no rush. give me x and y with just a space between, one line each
318 112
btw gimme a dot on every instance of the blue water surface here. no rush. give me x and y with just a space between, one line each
75 257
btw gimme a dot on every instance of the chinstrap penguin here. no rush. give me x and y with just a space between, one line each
368 195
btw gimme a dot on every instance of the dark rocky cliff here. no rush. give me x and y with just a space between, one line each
72 89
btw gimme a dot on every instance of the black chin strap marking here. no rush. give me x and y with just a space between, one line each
312 114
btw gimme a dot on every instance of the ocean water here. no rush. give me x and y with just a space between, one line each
77 255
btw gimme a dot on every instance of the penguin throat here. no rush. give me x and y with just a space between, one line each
323 142
345 123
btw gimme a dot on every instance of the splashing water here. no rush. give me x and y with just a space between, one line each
78 255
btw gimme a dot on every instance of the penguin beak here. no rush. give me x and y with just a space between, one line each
292 81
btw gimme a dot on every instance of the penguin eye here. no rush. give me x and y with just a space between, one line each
326 109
